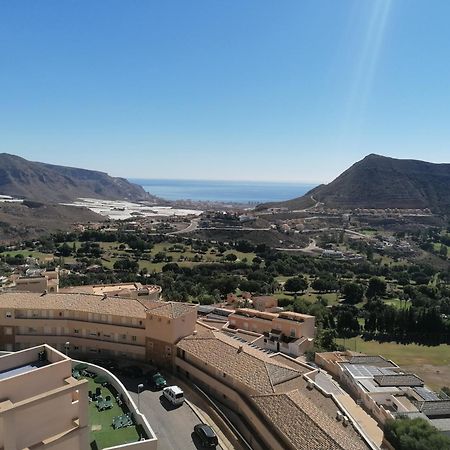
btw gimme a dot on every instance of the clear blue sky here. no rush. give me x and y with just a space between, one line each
247 90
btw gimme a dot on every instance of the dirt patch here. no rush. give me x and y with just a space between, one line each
434 376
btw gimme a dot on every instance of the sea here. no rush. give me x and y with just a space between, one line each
251 192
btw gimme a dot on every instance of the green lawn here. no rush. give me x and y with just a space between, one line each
102 434
432 364
28 253
397 303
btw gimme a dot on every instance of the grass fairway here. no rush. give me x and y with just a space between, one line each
432 364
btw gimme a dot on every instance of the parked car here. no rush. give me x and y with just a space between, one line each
132 371
174 395
156 381
206 435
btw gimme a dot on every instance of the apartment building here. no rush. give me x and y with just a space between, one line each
41 405
273 404
287 332
92 324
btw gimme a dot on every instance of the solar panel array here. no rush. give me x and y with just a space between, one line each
426 394
361 370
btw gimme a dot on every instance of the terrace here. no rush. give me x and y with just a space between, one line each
102 432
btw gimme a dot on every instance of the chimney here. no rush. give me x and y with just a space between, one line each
44 293
240 349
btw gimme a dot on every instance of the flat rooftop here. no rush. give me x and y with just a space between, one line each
19 370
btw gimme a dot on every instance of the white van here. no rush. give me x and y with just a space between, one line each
174 394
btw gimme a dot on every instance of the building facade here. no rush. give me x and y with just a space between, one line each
95 325
286 332
41 404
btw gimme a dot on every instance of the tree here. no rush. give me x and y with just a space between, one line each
353 293
327 340
347 324
231 257
296 285
414 434
64 250
376 288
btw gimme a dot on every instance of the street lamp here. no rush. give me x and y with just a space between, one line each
140 387
66 346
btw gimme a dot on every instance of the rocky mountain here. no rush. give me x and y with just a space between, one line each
49 183
381 182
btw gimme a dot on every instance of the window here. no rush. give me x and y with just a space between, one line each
76 331
123 336
133 338
75 347
8 315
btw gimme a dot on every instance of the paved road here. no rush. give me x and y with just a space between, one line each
173 426
191 227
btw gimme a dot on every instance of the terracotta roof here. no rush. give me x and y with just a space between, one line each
249 366
89 303
171 310
304 425
97 304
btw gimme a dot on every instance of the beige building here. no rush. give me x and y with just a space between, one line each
95 325
129 290
37 281
41 404
265 303
274 404
286 332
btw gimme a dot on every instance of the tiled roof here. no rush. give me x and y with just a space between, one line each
398 380
435 408
171 310
90 303
304 425
248 366
73 302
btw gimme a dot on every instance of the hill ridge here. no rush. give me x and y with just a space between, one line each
48 183
382 182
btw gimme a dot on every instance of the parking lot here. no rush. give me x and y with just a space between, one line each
173 426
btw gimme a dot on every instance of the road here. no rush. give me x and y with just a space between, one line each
191 227
173 426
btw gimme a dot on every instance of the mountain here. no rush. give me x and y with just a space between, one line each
48 183
381 182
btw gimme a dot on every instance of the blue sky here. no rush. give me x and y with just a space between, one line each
293 90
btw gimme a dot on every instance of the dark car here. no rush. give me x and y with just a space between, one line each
156 381
132 371
206 435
